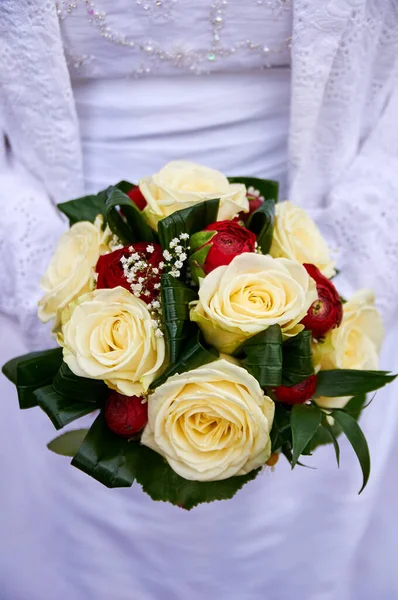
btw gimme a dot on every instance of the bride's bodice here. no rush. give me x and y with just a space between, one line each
140 74
143 37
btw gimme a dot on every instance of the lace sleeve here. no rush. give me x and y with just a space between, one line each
29 229
361 214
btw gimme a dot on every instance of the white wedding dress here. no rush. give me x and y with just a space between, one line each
150 87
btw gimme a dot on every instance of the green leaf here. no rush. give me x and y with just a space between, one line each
86 208
281 432
200 238
68 384
125 186
125 219
267 187
261 222
297 359
357 440
107 457
355 406
330 433
304 420
67 444
350 382
160 482
32 371
322 437
176 297
195 353
263 356
61 409
188 220
196 261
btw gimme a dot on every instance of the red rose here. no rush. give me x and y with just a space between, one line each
217 245
326 312
125 415
111 270
137 197
296 394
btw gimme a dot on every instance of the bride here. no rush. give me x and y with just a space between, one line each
93 92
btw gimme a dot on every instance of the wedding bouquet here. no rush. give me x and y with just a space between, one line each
197 316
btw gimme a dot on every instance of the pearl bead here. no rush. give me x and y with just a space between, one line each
163 11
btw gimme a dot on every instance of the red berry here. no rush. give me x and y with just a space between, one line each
297 394
125 415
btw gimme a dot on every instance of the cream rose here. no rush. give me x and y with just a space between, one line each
296 236
210 423
181 184
250 294
108 334
71 270
354 345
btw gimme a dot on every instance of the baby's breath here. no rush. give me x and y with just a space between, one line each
253 192
141 276
176 255
115 243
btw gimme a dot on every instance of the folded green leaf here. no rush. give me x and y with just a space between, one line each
357 440
125 186
116 462
61 409
261 222
188 220
67 444
297 359
350 382
330 433
261 355
68 384
107 457
281 432
304 420
86 208
267 187
160 482
125 219
176 297
194 353
32 371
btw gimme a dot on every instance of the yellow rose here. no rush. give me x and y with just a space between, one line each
71 270
181 184
108 334
250 294
354 345
296 236
210 423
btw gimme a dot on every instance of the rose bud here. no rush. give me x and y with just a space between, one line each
217 245
112 270
137 197
125 415
255 201
296 394
326 312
